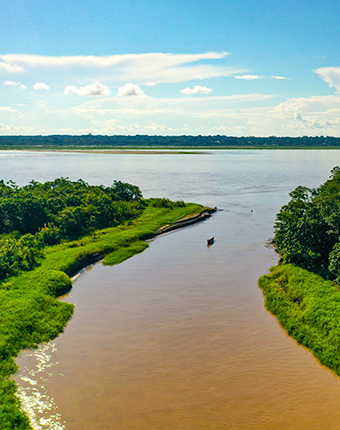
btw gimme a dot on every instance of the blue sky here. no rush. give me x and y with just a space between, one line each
245 68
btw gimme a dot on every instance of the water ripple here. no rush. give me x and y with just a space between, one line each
39 406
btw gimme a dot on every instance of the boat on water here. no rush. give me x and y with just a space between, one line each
210 241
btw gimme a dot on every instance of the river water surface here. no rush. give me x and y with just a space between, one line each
177 338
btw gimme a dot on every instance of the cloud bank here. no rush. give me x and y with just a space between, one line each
94 109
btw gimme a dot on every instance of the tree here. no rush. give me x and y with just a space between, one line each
126 192
305 231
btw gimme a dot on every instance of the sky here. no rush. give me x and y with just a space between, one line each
236 68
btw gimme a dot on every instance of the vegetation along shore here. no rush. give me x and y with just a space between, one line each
303 290
95 142
48 232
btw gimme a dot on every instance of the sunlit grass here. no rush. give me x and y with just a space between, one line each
308 307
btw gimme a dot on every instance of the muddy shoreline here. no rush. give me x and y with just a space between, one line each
204 214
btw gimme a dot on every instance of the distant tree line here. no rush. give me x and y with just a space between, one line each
99 141
307 229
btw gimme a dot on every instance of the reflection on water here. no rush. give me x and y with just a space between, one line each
35 399
178 337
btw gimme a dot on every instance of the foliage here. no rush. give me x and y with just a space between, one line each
48 236
46 214
307 229
90 141
126 192
71 208
11 417
18 254
166 203
307 234
308 307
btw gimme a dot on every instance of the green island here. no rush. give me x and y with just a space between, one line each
48 232
303 290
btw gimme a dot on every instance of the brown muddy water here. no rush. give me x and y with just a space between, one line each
178 337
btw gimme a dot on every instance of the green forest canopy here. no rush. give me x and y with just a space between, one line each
307 235
307 229
41 214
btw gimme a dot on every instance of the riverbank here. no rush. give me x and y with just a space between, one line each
308 308
137 150
30 314
161 150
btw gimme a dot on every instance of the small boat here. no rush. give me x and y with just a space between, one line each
211 241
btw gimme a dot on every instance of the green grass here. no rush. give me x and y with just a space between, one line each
308 308
124 253
30 313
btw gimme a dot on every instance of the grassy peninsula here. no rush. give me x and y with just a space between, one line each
303 290
48 233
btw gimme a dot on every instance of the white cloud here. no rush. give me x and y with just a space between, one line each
41 86
198 89
224 129
314 104
95 89
155 128
312 123
141 68
9 68
331 75
13 83
7 109
278 77
130 90
108 61
248 77
312 115
254 77
11 129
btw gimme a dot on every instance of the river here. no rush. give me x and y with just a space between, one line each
177 338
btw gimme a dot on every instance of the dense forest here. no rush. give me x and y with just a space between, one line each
218 141
41 214
302 291
307 229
